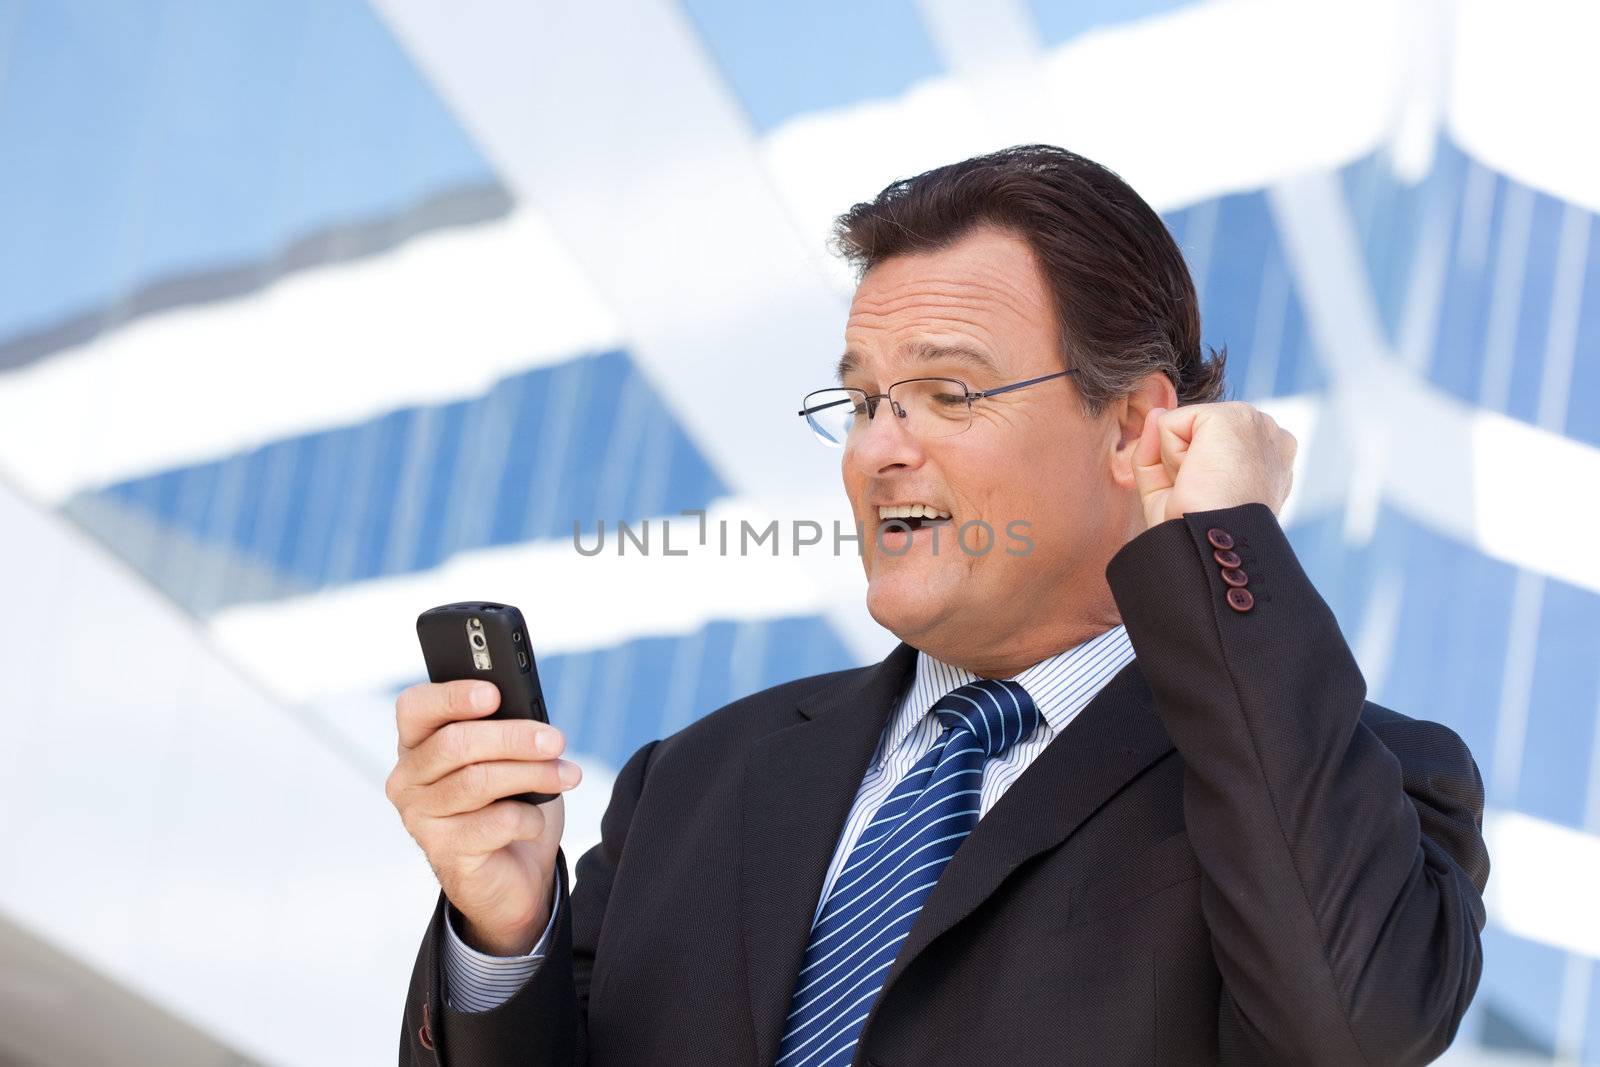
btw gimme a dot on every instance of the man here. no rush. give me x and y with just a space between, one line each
1116 798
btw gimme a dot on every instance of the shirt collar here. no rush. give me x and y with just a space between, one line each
1061 686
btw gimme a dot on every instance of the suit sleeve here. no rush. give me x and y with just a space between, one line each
544 1022
1342 876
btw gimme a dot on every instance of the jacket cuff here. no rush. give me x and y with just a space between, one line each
1241 551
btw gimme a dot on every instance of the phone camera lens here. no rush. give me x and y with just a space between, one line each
478 642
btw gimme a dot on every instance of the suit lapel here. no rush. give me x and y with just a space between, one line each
799 785
1110 742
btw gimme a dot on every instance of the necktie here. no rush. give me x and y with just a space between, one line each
892 869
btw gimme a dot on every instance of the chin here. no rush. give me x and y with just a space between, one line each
905 604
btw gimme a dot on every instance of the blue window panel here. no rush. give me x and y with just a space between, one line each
1589 1054
269 536
1341 575
138 142
1583 401
582 441
1248 298
610 701
1562 707
714 689
1062 20
532 415
320 481
801 646
1519 995
1300 370
370 537
1369 192
1198 237
1455 599
784 60
620 701
1533 312
1457 361
195 494
444 429
1194 236
1177 221
1381 212
1391 218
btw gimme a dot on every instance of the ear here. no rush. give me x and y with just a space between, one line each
1155 390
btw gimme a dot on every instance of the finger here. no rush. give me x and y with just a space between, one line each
479 833
1177 431
1150 475
458 744
1288 443
479 784
1147 450
1289 446
421 709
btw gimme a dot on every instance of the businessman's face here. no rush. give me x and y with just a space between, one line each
1028 464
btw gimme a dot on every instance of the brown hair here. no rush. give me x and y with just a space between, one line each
1124 301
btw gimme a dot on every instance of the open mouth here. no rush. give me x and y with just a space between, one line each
914 523
910 517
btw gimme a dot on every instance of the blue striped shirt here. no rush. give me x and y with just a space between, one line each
1061 687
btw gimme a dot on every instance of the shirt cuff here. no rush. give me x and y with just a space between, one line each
476 981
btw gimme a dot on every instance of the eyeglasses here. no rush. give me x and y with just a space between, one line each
931 407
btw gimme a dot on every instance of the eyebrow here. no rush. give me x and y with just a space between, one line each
926 352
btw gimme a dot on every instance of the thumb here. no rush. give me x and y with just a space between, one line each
1150 474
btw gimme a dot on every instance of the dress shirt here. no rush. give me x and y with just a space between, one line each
1061 686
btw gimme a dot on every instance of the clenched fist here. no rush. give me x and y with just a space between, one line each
495 858
1202 457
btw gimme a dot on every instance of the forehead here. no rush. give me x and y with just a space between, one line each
984 291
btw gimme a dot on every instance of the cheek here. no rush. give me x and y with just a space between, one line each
854 484
1048 490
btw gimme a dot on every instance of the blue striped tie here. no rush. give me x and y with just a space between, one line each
892 869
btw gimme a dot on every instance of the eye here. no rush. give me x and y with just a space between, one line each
950 399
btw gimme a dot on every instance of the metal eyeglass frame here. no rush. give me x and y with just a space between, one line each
870 399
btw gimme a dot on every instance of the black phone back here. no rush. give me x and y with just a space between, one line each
479 639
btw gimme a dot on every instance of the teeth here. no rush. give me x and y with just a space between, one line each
911 511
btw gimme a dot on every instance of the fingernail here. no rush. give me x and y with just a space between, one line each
482 697
569 773
546 742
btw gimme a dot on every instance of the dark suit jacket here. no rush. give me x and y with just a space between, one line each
1228 856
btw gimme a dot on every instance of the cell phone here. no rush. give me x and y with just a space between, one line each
479 639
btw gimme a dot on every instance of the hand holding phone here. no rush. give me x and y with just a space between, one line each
468 748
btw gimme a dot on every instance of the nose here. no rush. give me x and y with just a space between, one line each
884 442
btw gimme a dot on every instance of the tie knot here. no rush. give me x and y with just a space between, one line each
998 713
